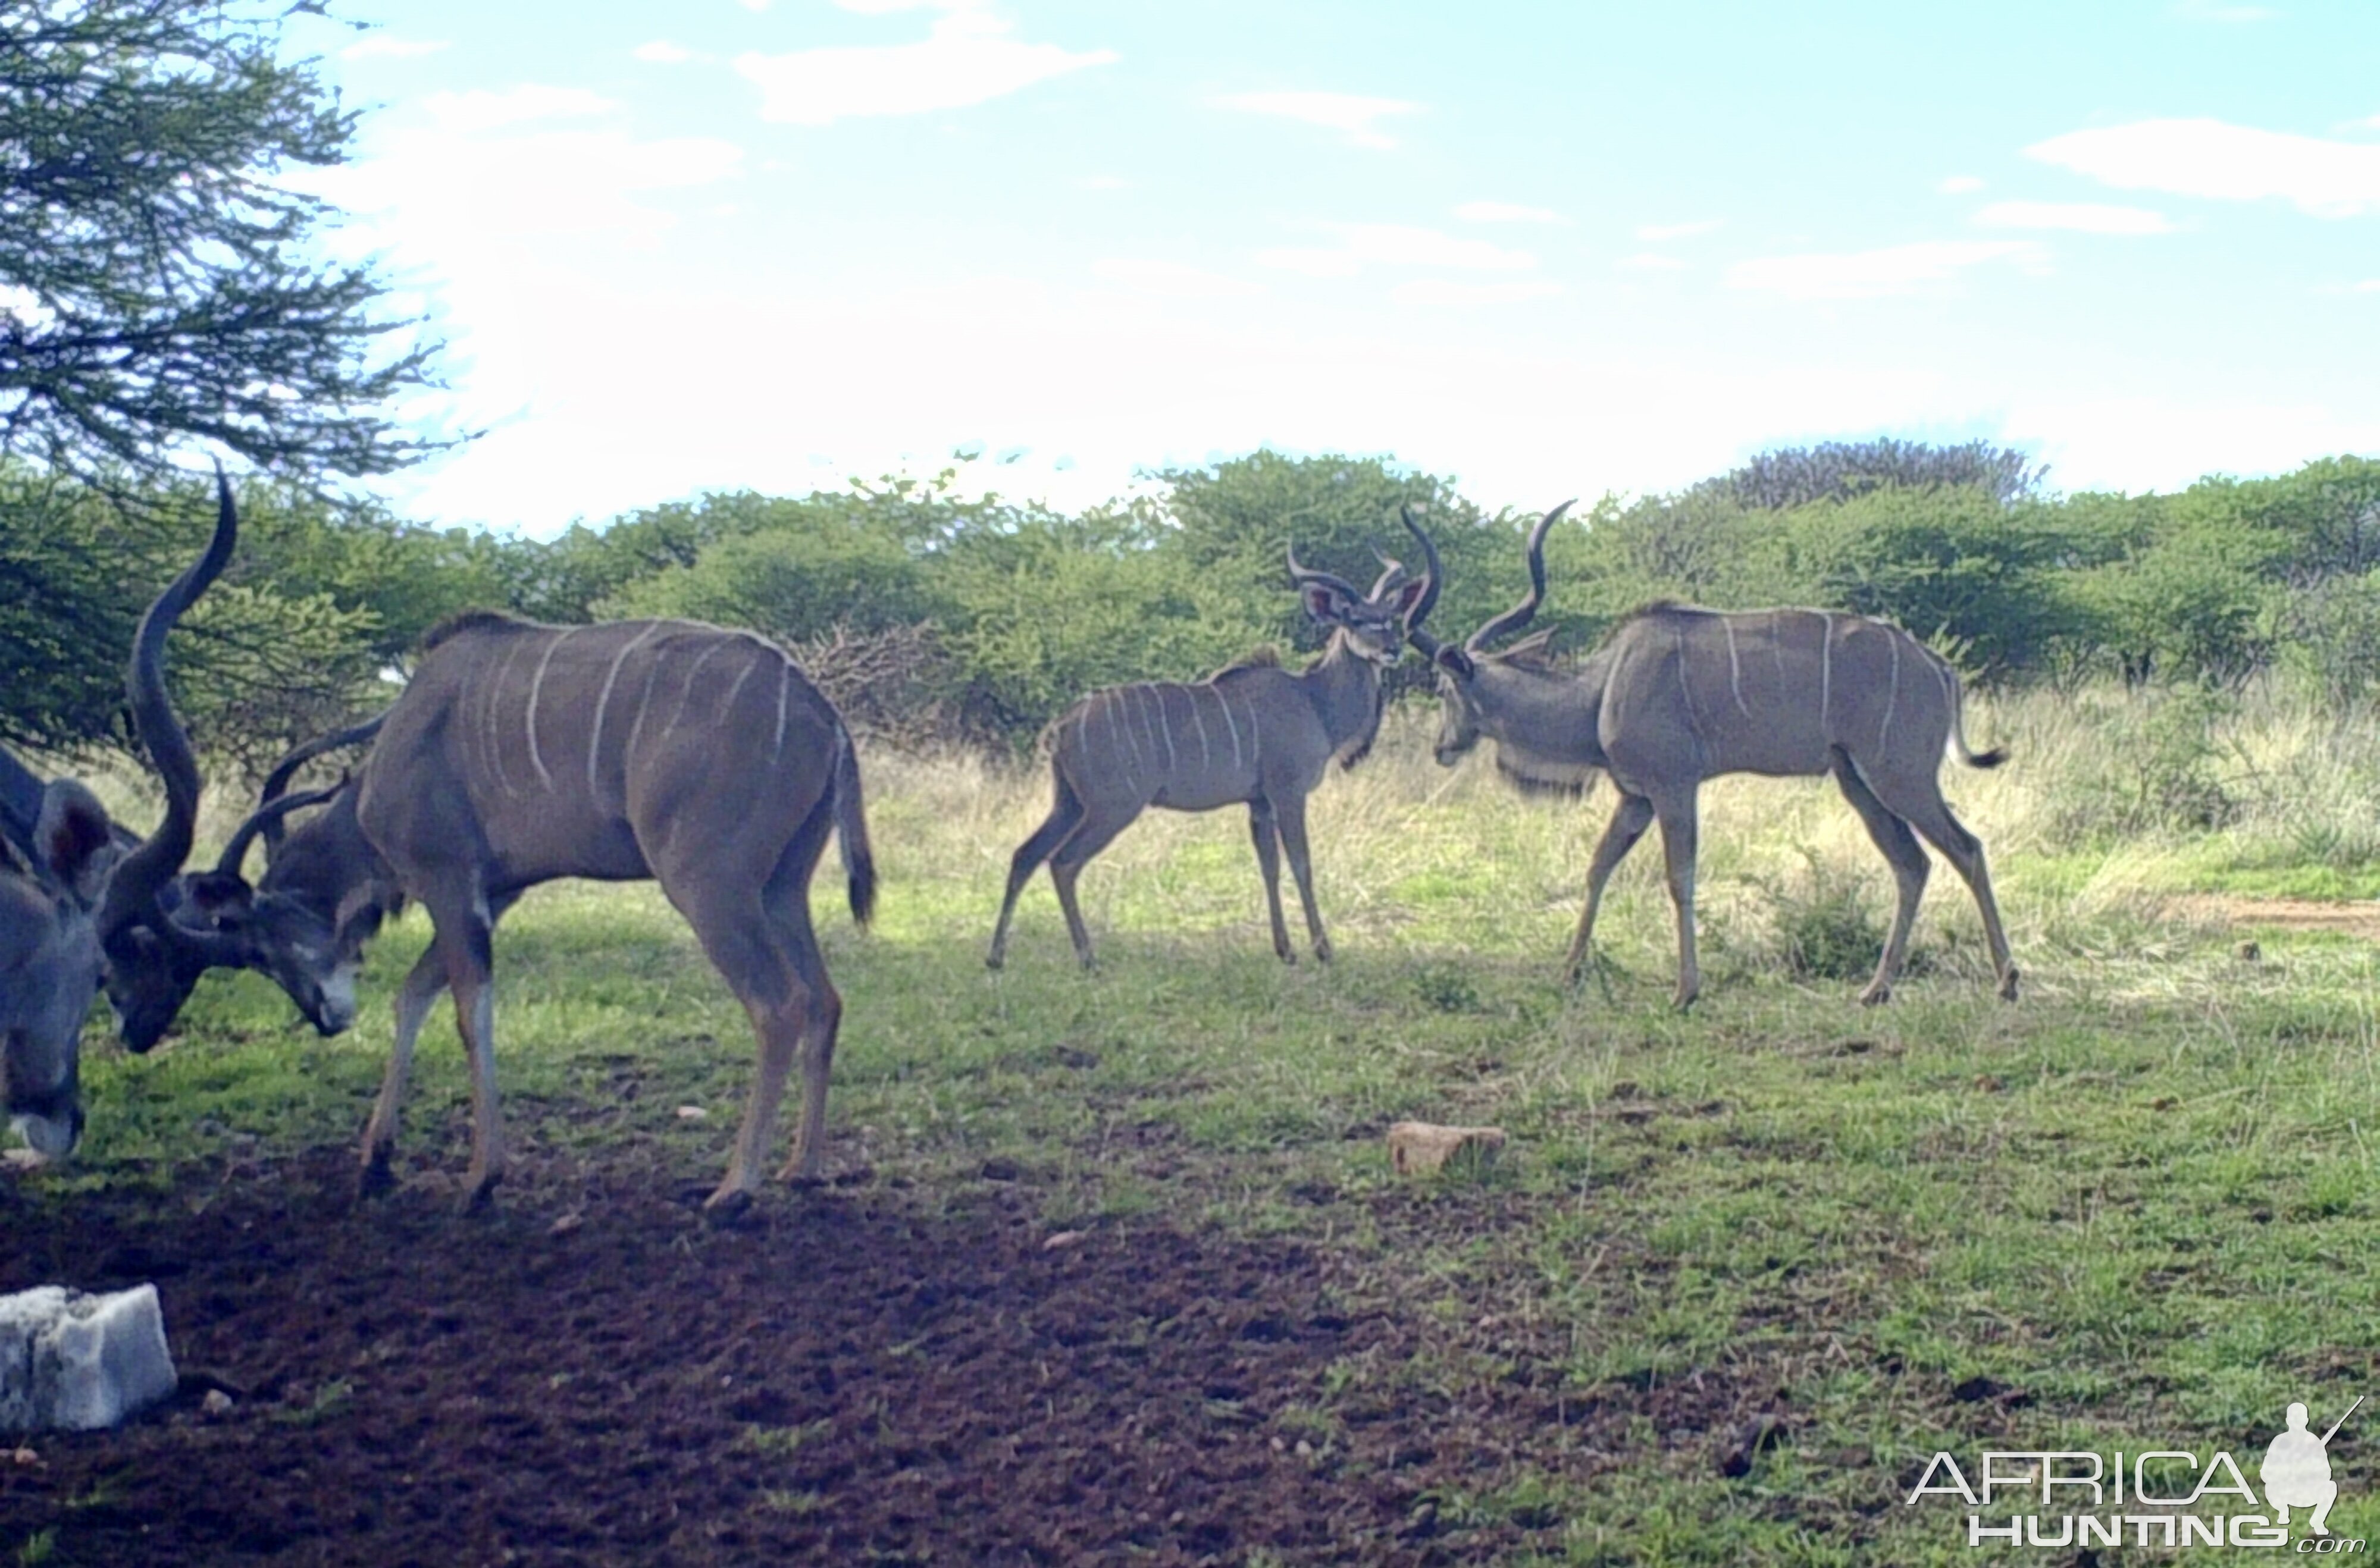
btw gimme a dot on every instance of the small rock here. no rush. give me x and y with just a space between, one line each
1989 1083
2249 953
1304 1450
693 1112
1764 1433
80 1362
22 1456
997 1168
1065 1239
21 1160
216 1404
1420 1148
564 1223
1278 1446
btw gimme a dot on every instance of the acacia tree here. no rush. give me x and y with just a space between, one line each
157 280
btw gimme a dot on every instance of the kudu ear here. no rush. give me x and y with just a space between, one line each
217 895
1325 602
1409 595
74 841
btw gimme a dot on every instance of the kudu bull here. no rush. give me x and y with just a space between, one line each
78 907
1678 694
1253 733
519 753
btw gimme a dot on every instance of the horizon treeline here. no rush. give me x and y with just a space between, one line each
929 613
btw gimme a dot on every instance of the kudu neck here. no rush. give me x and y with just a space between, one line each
1344 687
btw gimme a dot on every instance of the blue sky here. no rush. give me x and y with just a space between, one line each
1551 249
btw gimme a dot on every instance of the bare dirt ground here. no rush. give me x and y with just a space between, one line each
2352 918
848 1378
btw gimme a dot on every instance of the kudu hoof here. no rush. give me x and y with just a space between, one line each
1876 996
375 1180
2008 987
479 1192
727 1206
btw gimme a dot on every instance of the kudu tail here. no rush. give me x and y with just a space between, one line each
851 829
1992 758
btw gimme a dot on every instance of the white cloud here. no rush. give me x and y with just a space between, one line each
1343 112
1103 182
661 52
1868 274
388 46
1505 212
483 173
1960 184
1438 291
1650 262
1174 279
966 58
479 110
2369 286
2228 163
1363 245
2082 217
1653 234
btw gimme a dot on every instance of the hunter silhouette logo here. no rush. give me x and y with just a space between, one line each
2151 1496
2296 1471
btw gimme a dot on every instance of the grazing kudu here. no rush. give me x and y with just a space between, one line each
1678 694
77 908
1254 733
519 753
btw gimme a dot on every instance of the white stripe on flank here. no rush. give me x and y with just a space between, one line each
1256 739
1167 721
489 737
1777 650
1132 742
1826 673
784 690
1148 727
636 726
1225 703
536 684
728 707
595 738
1892 692
1205 757
1734 666
686 693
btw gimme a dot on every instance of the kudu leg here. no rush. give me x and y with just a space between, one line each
824 1021
1064 814
414 999
1634 815
465 941
1932 817
1094 833
740 935
1909 870
1267 834
1291 813
1679 832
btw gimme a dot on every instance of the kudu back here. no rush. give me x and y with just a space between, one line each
1677 694
520 753
1254 734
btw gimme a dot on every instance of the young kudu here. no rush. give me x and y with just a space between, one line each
1254 733
78 907
519 753
1678 694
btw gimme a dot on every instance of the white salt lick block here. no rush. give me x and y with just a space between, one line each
78 1362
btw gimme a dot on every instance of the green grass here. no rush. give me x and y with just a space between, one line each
2141 1200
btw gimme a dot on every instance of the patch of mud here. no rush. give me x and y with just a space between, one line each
2352 917
852 1376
